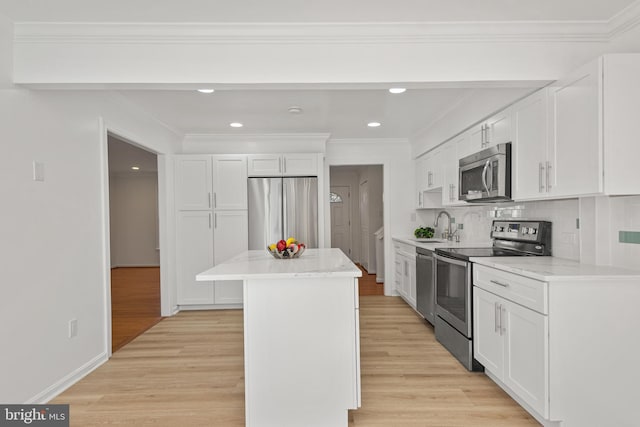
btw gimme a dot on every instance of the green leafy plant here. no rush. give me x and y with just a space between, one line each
423 232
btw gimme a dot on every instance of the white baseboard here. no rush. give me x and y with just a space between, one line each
67 381
175 310
379 279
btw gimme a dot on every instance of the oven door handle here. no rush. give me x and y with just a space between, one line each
451 260
484 175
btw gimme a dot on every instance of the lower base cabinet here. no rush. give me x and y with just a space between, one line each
204 239
405 272
511 342
565 348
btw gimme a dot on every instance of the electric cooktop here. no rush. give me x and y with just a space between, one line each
510 238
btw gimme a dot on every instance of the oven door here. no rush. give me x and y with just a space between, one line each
453 293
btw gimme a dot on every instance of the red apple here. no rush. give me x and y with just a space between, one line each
281 246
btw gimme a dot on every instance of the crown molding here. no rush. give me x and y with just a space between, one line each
396 141
325 33
625 20
247 137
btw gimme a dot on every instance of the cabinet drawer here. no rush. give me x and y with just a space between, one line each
519 289
404 247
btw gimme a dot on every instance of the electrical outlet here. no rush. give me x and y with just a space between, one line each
38 171
460 226
73 328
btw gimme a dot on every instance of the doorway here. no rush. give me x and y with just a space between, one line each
356 207
134 240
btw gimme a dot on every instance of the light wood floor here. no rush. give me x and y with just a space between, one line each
188 371
367 284
135 303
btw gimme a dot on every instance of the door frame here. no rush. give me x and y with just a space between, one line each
107 129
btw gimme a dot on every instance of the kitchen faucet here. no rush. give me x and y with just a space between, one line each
449 234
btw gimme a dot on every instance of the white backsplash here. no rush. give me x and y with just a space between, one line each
477 221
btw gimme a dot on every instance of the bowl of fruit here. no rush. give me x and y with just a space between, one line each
286 249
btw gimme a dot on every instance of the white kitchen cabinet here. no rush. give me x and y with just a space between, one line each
292 164
575 162
304 164
194 249
193 182
421 180
511 342
230 239
450 165
405 272
213 229
229 182
429 179
495 130
531 149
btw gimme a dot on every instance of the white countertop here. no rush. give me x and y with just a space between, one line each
325 262
442 244
548 268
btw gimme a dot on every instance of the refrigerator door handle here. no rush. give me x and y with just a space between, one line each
285 224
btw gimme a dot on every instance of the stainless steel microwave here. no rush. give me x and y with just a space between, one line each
486 175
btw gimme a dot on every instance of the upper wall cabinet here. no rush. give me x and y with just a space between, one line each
621 107
229 182
574 165
429 178
303 164
495 130
193 182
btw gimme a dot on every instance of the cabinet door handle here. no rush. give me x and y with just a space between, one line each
215 220
504 285
482 136
280 165
215 200
548 175
496 315
540 172
486 135
285 165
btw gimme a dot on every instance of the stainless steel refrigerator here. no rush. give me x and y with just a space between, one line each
283 207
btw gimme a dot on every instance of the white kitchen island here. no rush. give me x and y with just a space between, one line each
301 336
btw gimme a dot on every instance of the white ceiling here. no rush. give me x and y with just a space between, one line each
341 112
310 11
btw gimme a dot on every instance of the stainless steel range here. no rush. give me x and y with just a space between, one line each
454 272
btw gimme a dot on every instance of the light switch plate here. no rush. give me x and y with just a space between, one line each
38 171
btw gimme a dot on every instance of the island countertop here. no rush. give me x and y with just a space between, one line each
258 264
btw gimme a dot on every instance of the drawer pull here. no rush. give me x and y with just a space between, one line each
504 285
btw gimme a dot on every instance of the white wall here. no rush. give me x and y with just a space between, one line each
133 204
298 53
374 177
395 157
53 243
477 105
477 220
254 144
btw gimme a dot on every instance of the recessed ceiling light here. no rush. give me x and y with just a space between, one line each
373 124
206 90
135 168
397 90
294 109
236 125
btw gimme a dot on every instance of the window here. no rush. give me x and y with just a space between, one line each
335 198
